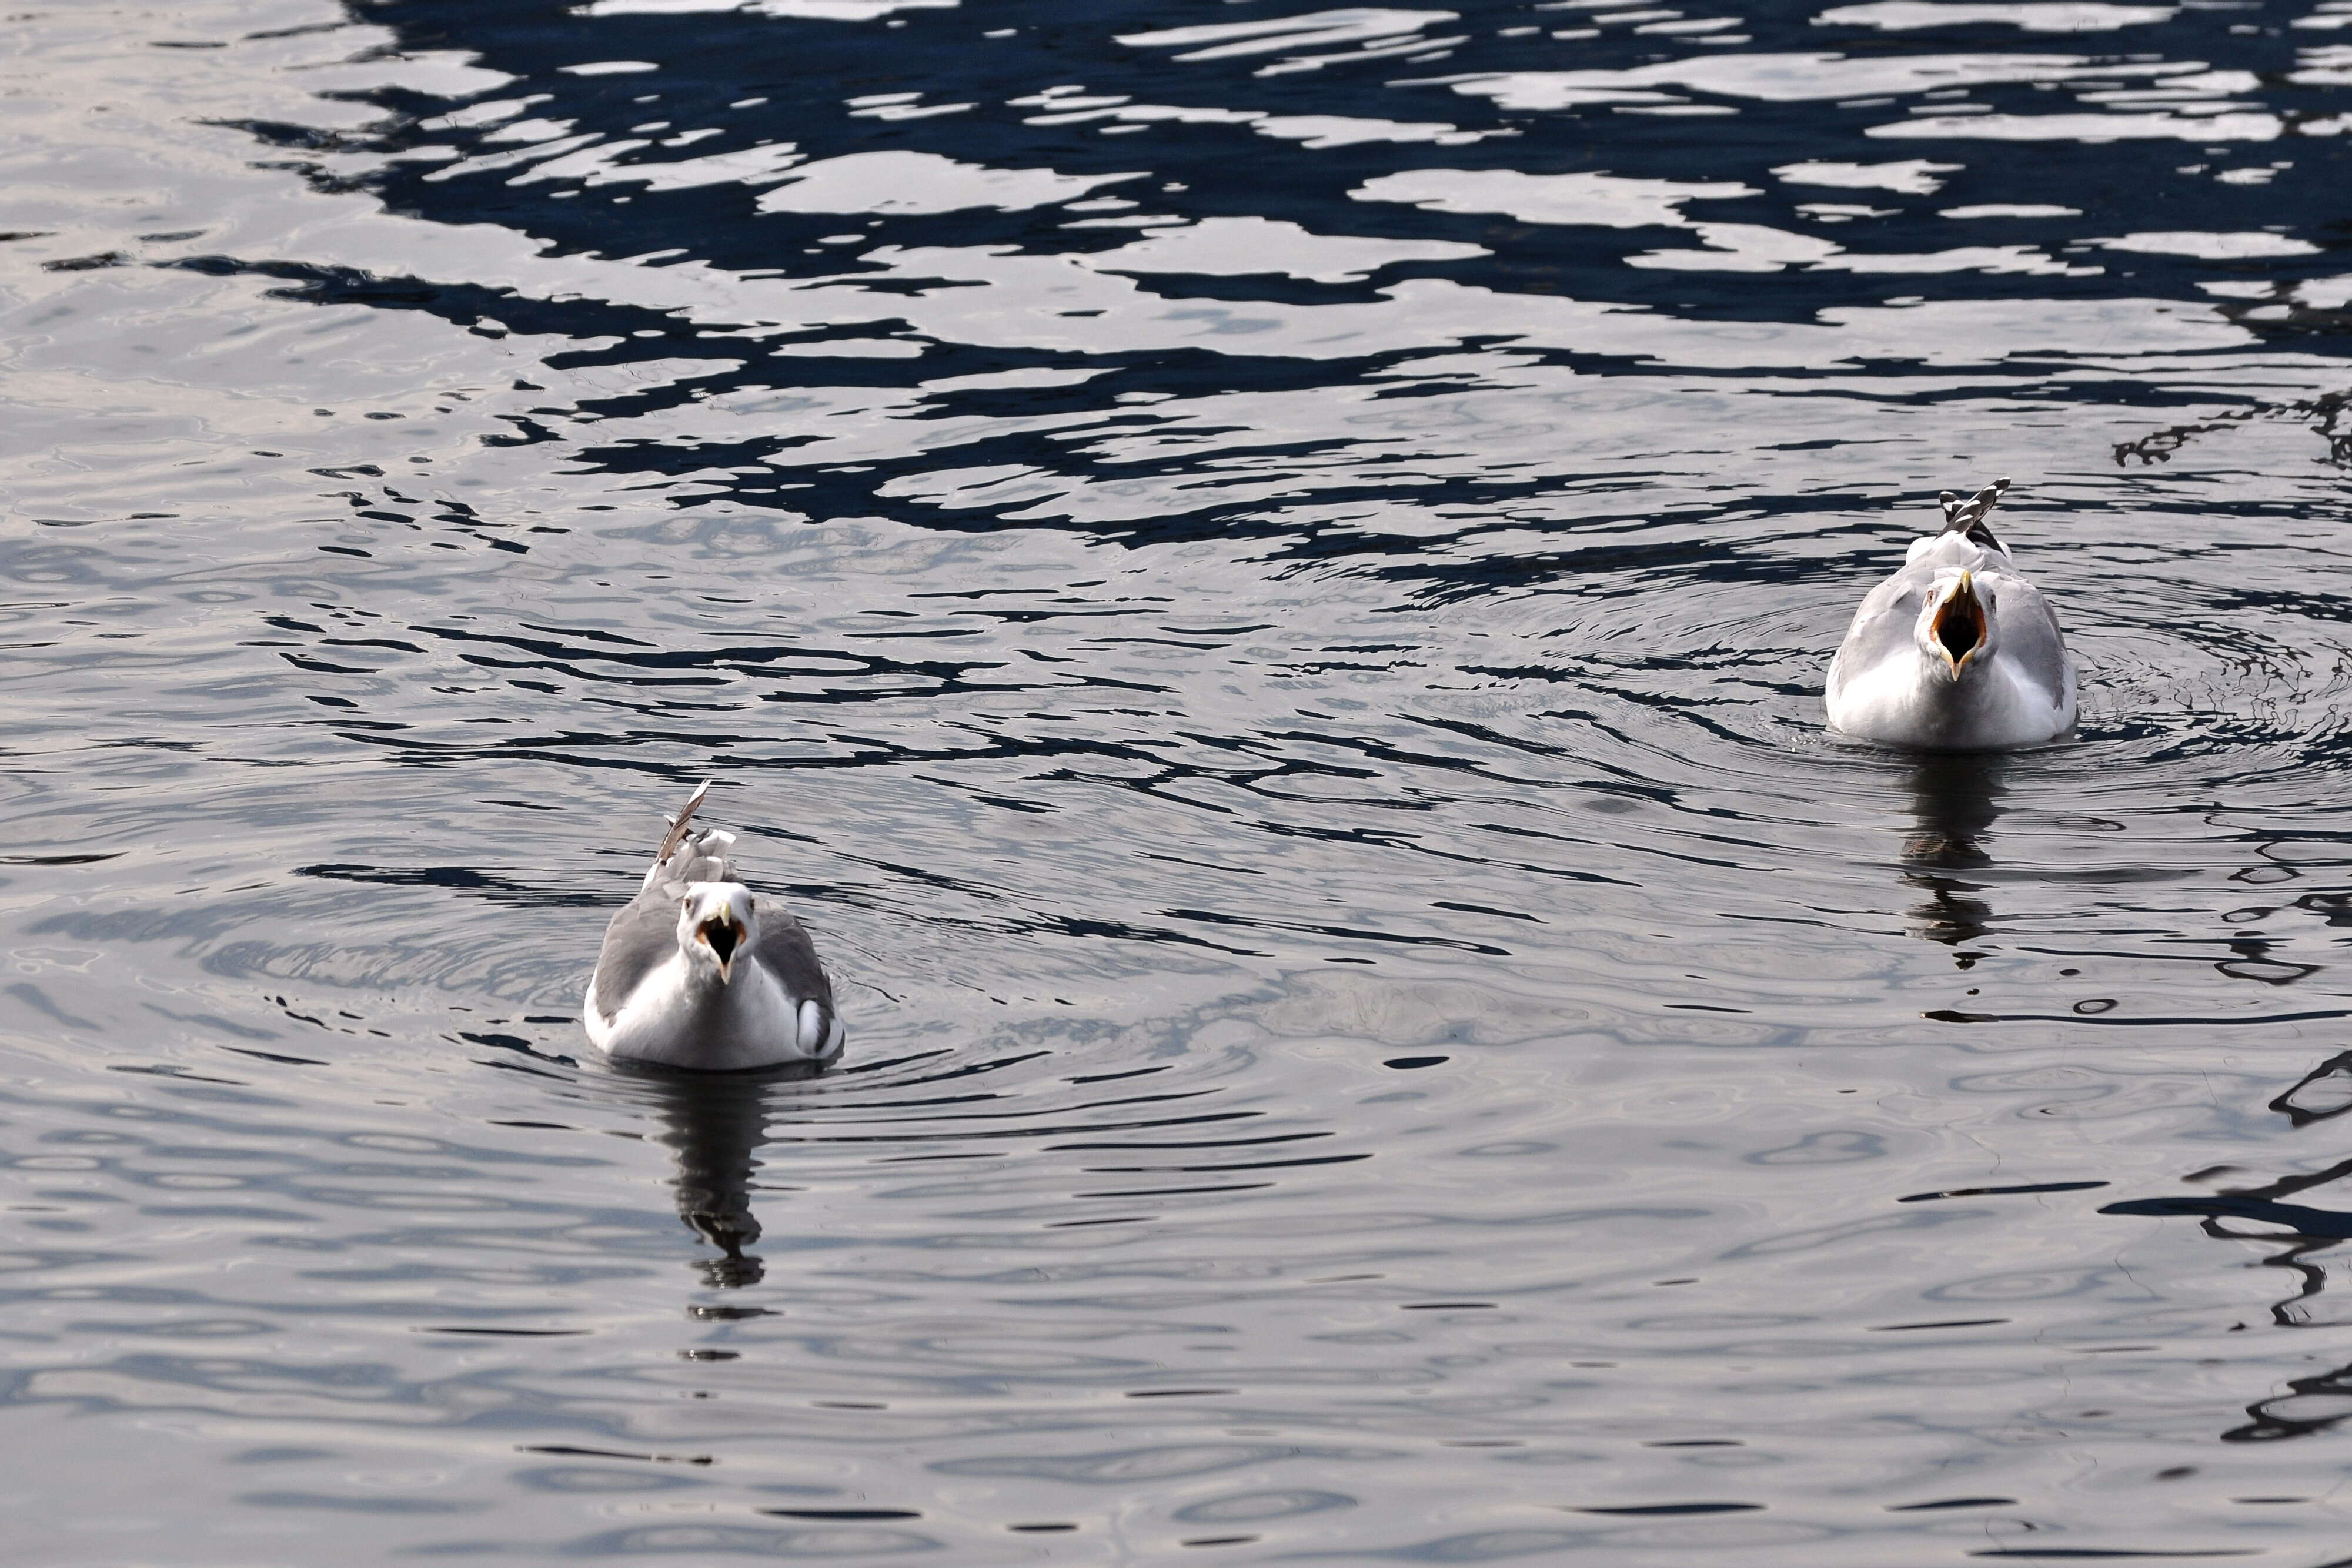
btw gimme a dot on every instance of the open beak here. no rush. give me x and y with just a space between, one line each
722 936
1960 624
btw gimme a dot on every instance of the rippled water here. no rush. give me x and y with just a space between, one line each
1259 579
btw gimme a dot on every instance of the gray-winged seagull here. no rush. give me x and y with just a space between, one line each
1955 652
697 972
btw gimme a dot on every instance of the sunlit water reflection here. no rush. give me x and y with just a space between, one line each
1260 581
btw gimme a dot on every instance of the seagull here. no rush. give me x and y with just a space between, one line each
695 972
1955 652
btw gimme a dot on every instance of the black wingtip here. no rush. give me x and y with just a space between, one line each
1968 517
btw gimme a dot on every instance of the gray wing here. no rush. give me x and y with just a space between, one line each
785 950
640 939
2030 634
1882 627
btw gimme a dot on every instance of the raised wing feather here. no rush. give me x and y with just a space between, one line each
688 856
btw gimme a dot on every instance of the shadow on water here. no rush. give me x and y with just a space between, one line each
1955 799
2303 1236
714 1124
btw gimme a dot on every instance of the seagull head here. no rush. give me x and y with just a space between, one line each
1957 631
714 924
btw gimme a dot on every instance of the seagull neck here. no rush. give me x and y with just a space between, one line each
700 985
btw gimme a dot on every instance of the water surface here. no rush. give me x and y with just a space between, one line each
1259 579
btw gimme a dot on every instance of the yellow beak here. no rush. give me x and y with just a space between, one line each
1959 627
722 936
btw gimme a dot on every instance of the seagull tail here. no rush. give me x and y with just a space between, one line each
1968 516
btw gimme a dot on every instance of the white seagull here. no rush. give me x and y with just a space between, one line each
1955 652
695 972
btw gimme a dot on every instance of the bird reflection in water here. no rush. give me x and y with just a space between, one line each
713 1123
1955 798
2302 1235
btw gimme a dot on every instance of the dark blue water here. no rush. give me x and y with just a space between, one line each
1259 579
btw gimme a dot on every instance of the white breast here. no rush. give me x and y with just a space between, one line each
685 1018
